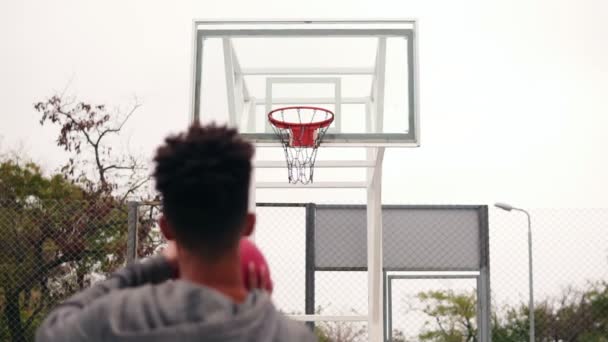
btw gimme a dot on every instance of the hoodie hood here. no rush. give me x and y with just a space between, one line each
182 311
140 303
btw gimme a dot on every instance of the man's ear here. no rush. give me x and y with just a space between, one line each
166 228
249 224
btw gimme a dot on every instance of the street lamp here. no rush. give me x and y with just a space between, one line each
509 207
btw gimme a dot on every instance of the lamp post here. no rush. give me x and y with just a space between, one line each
508 207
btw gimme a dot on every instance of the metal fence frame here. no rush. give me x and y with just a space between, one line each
595 221
133 208
388 299
482 277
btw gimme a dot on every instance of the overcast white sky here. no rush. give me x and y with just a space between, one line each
513 100
513 93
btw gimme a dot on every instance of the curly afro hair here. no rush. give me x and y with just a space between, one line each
203 176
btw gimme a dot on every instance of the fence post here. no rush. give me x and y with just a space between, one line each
484 277
385 307
132 232
310 263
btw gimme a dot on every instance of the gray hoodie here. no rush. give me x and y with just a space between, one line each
139 303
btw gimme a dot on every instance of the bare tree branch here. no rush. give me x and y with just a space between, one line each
118 167
71 118
134 188
89 125
440 325
119 128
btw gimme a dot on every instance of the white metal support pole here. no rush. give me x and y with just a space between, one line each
251 123
374 116
368 116
246 117
197 65
374 248
315 185
239 74
230 84
326 318
307 71
378 89
313 100
239 99
338 104
268 104
242 98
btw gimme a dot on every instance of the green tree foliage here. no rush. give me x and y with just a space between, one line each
340 332
88 133
576 315
453 316
53 237
59 233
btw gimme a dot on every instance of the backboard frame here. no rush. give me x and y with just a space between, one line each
335 81
203 29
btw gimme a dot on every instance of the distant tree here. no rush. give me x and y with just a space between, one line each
51 236
575 315
88 132
398 336
58 233
85 132
339 331
598 307
453 316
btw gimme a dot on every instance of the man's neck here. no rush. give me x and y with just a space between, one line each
223 275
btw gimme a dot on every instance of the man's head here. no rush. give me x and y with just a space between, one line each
203 176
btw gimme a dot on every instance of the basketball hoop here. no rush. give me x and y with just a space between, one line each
301 130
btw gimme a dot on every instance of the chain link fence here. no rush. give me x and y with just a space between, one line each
570 250
570 263
48 251
51 249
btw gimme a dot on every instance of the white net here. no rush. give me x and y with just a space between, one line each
301 130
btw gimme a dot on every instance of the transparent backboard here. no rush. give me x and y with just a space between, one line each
364 72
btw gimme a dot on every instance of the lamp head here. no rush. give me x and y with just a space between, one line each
504 206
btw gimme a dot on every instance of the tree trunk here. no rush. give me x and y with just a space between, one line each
12 313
